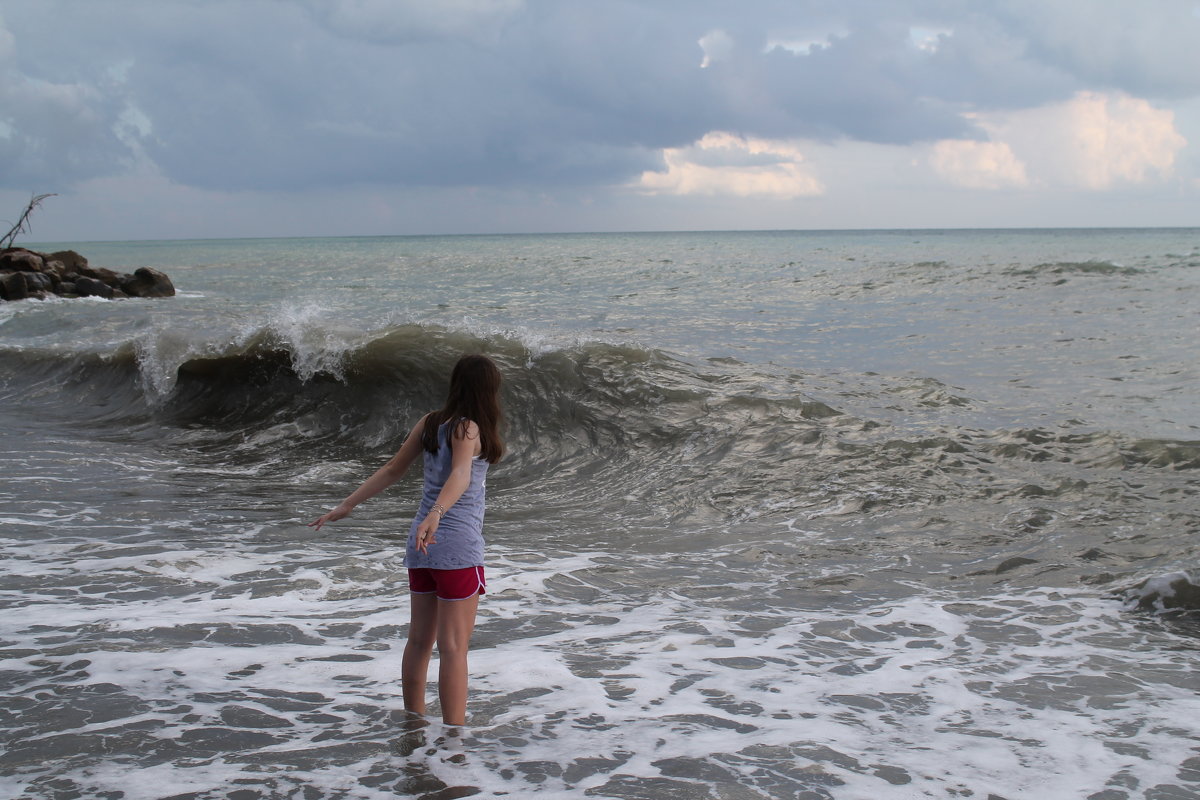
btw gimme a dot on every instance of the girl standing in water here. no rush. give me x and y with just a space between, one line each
445 543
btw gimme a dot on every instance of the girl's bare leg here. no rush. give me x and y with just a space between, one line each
422 633
455 623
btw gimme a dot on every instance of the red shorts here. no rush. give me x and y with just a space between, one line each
449 584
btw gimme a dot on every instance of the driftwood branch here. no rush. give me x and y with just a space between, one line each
22 225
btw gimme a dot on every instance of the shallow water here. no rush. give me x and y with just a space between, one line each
843 515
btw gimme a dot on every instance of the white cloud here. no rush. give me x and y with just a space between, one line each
928 40
978 165
726 164
133 123
1097 140
1093 141
717 45
804 43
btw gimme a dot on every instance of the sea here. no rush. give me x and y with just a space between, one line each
848 515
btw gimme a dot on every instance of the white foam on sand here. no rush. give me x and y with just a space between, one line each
281 669
928 693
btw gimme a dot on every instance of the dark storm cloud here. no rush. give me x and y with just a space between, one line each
267 94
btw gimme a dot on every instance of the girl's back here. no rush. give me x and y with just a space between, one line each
460 534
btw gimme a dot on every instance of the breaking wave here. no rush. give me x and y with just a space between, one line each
616 428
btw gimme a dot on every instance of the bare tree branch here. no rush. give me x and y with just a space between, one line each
22 225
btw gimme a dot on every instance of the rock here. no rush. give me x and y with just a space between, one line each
1175 590
18 259
148 282
55 269
13 286
104 274
91 287
70 259
38 282
1015 562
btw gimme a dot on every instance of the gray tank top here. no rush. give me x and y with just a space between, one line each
460 533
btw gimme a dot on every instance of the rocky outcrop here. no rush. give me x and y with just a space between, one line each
1173 591
26 274
147 282
13 286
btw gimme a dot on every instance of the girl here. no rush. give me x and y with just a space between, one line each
445 543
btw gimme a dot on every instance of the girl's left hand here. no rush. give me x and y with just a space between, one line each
425 532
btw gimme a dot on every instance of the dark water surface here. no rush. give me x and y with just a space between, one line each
822 515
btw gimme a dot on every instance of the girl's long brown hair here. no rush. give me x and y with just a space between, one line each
474 396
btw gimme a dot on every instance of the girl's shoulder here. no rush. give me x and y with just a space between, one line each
429 428
465 436
465 428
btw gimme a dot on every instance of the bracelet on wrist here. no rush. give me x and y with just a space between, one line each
439 508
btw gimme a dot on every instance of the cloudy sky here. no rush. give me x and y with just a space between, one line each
214 118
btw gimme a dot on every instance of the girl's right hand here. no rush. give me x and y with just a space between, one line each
333 516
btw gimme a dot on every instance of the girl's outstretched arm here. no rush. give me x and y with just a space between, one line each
384 477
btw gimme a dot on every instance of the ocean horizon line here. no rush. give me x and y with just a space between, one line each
680 232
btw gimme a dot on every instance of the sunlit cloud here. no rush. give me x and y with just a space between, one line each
1098 140
1093 141
978 165
726 164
